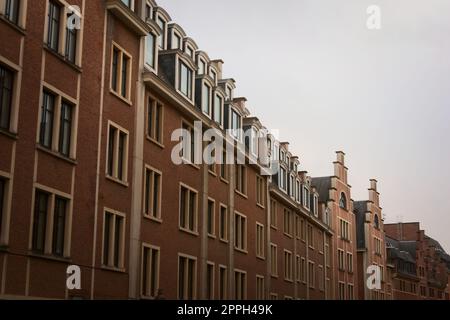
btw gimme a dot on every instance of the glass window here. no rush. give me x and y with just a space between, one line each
40 221
236 124
218 109
71 43
185 80
46 127
206 98
65 129
54 17
12 10
162 37
6 93
150 50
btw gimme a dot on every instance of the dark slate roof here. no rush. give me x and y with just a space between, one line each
435 243
322 186
396 250
360 209
409 246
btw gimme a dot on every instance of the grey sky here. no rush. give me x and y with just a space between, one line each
312 69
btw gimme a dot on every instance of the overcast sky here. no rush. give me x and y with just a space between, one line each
312 69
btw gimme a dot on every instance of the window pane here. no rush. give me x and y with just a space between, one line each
12 10
65 129
59 225
6 87
71 44
206 93
122 155
125 66
150 50
162 26
111 147
40 221
46 130
117 241
54 14
115 66
2 200
106 236
218 109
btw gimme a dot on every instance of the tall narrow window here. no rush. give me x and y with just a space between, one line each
65 129
125 67
218 109
210 281
240 232
241 179
312 274
46 128
150 271
150 50
71 43
211 218
288 274
152 197
260 288
185 80
2 200
121 72
223 283
188 209
115 69
117 153
223 223
113 240
273 214
240 285
188 143
54 18
155 121
162 37
6 93
260 191
12 9
187 280
274 260
206 99
260 243
236 125
40 221
59 226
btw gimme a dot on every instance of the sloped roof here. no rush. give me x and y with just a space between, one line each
322 185
360 209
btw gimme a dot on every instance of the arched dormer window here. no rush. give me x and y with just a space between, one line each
376 222
343 201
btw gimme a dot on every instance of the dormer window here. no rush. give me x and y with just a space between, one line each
254 143
218 109
162 38
236 124
292 187
176 41
282 156
213 75
150 50
206 99
298 191
185 80
282 180
229 93
129 4
148 11
201 66
316 205
190 51
306 197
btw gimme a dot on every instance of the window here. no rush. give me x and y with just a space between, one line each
303 270
211 218
71 43
260 288
54 20
310 236
254 141
113 239
350 291
236 124
121 72
341 261
376 222
321 278
185 80
240 232
150 271
377 246
6 97
297 268
12 8
187 278
282 179
155 121
152 198
303 229
65 128
223 223
260 190
273 296
298 191
150 50
188 209
341 291
223 283
316 206
343 201
223 166
273 213
162 38
229 92
288 274
218 109
240 285
47 113
350 262
176 41
129 3
43 218
306 198
2 201
273 260
188 141
312 274
210 281
190 51
288 222
344 230
148 11
206 99
241 179
213 75
292 187
260 243
201 67
117 153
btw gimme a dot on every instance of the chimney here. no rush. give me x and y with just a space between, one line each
218 63
340 157
240 102
373 184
